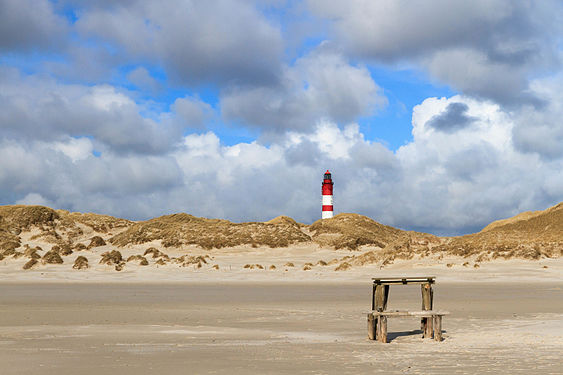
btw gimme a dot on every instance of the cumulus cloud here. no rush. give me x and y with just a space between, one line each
34 199
320 85
442 182
192 112
35 107
114 183
483 48
540 130
453 118
28 25
141 78
196 41
75 148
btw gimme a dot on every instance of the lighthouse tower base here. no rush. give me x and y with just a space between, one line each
327 214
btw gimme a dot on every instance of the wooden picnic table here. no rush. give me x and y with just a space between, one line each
431 321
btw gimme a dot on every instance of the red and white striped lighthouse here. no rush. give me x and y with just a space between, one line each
328 210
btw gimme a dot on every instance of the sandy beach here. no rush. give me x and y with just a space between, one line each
281 298
273 328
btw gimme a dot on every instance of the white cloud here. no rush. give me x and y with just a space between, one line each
443 182
192 112
34 199
485 48
448 179
491 125
75 148
107 98
321 85
196 41
330 139
141 78
38 108
30 25
540 129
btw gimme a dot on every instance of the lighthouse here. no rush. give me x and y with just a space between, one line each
328 211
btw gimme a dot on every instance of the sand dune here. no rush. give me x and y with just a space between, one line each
36 238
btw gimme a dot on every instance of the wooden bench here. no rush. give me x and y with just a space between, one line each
377 323
430 320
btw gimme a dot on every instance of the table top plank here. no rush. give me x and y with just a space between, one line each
404 280
422 313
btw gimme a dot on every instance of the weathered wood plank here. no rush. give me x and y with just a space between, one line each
425 324
404 277
379 298
424 313
438 327
404 280
373 297
428 331
378 329
383 329
372 322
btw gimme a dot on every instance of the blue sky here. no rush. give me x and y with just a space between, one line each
427 112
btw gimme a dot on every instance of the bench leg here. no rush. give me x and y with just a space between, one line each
372 324
437 327
428 328
427 299
382 329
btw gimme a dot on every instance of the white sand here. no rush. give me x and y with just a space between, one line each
273 328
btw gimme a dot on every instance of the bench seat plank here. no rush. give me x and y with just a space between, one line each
422 313
404 280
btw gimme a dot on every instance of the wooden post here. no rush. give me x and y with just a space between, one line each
373 297
427 297
378 328
438 327
429 330
372 323
383 329
381 296
422 320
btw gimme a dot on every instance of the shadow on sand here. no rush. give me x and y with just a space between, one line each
393 335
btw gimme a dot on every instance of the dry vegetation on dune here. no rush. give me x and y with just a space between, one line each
52 226
22 217
98 223
141 260
532 235
15 219
350 231
284 220
406 246
81 263
183 229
